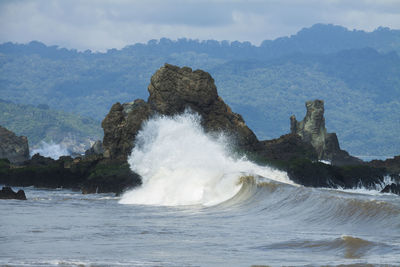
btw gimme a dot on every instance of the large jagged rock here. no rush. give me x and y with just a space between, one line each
12 147
121 126
312 130
172 91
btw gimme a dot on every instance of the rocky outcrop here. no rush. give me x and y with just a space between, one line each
91 174
12 147
110 177
391 164
172 91
288 147
7 193
392 188
317 174
121 126
312 130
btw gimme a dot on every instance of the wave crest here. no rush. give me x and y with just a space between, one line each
182 165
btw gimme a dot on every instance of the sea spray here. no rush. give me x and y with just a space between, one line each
182 165
371 190
51 149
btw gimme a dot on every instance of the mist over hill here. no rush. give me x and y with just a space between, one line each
357 73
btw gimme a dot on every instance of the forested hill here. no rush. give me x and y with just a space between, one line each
40 123
357 73
320 38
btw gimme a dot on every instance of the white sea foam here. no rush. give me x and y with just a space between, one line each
52 150
327 162
375 190
182 165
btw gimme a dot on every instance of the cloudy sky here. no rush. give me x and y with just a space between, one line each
99 24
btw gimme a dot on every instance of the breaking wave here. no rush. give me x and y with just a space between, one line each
182 165
51 149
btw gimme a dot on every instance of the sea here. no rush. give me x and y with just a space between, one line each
201 204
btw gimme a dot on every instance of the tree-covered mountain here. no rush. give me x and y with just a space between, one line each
361 89
357 73
41 123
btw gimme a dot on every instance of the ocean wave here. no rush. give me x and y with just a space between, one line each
182 165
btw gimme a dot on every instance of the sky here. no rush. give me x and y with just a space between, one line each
99 25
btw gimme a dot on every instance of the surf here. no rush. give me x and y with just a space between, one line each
181 164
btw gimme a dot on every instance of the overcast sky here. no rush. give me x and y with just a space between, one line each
100 24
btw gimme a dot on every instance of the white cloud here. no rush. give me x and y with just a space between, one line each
101 24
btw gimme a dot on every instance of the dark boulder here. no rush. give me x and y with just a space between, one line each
392 188
8 193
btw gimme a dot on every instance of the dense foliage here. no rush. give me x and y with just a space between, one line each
356 73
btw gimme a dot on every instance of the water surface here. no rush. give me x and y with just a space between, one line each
267 225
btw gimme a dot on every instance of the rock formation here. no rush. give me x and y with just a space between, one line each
392 188
8 193
391 164
12 147
312 130
90 174
121 125
288 147
172 91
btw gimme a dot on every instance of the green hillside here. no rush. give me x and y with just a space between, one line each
364 112
44 124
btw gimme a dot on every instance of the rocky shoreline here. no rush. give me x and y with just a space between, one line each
92 174
173 90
